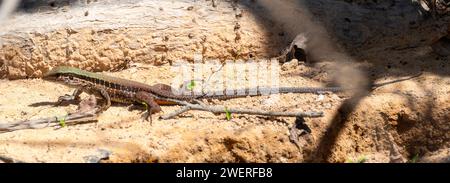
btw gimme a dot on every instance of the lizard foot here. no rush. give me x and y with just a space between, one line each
149 103
67 99
148 114
147 117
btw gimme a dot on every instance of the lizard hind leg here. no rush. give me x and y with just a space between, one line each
148 101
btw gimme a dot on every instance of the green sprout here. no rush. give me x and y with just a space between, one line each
414 159
228 114
62 121
361 159
191 85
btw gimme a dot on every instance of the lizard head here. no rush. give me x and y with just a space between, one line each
63 74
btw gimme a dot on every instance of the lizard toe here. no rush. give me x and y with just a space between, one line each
147 117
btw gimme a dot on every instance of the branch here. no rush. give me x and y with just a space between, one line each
87 112
220 109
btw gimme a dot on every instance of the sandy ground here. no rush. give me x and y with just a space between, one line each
123 132
412 115
415 112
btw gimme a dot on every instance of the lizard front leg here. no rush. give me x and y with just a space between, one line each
150 103
97 91
74 97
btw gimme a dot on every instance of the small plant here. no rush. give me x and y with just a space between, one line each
414 159
361 159
191 85
228 114
62 121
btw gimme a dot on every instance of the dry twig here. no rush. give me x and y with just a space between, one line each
220 109
87 112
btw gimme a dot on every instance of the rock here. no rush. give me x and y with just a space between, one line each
291 65
102 155
439 156
320 97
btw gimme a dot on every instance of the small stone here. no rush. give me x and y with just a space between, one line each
91 159
65 9
102 155
239 14
320 97
293 64
335 97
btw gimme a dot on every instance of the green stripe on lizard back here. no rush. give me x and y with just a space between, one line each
71 70
115 80
76 71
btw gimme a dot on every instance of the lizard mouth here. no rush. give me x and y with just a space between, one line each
50 77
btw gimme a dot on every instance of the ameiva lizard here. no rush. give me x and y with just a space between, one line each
113 89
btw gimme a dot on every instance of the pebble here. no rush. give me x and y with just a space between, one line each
102 155
320 97
291 65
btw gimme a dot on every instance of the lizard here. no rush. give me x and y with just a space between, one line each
114 89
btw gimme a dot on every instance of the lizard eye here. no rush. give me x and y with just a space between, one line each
70 77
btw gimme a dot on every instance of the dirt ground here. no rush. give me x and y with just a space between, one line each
414 112
407 120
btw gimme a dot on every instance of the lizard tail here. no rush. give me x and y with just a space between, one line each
238 93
